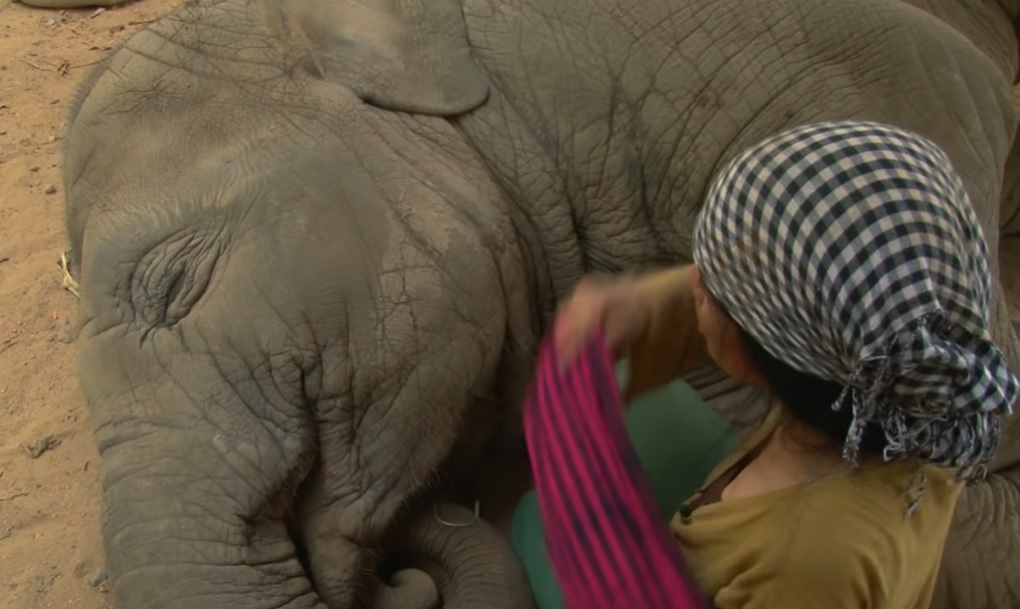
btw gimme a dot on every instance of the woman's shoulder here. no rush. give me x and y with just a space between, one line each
895 501
899 488
849 542
891 518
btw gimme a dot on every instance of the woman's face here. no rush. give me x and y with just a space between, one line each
722 336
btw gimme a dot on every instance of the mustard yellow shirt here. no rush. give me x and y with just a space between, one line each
841 542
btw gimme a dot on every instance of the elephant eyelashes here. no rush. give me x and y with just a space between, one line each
173 277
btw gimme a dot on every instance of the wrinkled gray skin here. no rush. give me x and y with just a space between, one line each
317 242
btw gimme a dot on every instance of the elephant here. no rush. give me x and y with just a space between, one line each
319 243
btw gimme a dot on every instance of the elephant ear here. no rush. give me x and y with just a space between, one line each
405 55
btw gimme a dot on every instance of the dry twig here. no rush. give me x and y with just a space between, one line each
68 281
37 67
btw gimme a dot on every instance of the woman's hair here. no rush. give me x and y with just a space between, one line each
809 399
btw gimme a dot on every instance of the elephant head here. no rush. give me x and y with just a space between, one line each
294 321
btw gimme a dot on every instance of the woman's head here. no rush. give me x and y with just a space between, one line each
847 255
804 395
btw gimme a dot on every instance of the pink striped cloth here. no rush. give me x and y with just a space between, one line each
608 547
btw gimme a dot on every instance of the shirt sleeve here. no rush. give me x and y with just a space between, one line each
821 564
672 344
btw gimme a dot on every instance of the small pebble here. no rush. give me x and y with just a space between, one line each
51 190
38 447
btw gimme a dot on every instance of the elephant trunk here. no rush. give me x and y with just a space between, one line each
174 535
408 589
193 480
453 560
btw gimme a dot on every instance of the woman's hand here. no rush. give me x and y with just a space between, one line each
651 318
614 304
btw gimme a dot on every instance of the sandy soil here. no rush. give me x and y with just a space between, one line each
50 553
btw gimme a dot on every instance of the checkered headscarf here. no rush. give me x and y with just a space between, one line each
849 251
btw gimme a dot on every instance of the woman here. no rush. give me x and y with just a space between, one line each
839 267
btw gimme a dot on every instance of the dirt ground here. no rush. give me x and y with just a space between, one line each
49 490
49 540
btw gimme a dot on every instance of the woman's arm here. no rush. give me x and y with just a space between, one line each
671 345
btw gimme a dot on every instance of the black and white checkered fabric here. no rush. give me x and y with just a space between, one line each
850 251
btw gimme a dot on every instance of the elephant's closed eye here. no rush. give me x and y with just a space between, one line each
173 276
